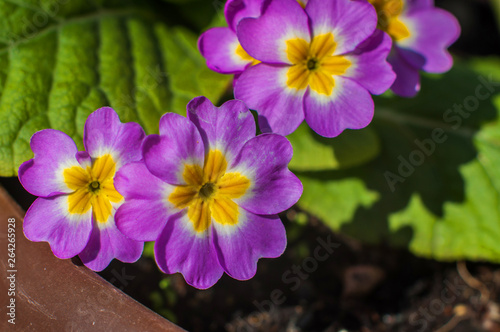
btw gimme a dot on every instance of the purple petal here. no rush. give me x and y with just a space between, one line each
84 159
263 88
142 220
43 175
411 6
180 249
236 10
104 133
134 181
264 161
218 46
264 38
48 220
146 209
350 22
349 107
225 128
407 83
240 247
106 243
179 142
369 66
432 31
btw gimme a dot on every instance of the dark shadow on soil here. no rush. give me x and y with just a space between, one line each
355 287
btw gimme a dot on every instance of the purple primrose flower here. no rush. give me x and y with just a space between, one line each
77 203
220 46
208 192
320 63
421 35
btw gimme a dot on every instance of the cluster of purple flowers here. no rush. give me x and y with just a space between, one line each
207 190
320 60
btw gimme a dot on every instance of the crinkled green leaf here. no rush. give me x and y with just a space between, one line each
200 13
312 152
446 201
59 61
496 10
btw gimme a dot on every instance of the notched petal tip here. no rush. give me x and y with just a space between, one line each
22 169
197 102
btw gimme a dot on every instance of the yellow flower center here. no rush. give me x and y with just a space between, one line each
93 188
314 64
388 12
240 51
209 192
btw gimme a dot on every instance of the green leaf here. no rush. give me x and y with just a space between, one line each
496 9
200 14
60 61
312 152
435 185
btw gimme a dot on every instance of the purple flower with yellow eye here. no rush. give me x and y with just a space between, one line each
78 199
421 35
221 47
208 192
320 63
